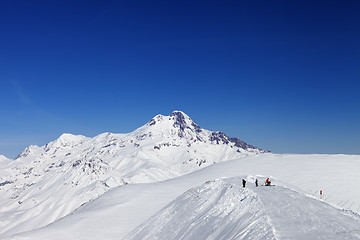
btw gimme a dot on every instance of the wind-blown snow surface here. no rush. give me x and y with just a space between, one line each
291 215
49 182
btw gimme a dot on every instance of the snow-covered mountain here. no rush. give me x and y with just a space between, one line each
3 159
211 203
161 181
79 169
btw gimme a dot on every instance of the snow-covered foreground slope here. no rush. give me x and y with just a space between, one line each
121 210
224 210
215 210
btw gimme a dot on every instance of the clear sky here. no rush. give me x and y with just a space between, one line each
281 75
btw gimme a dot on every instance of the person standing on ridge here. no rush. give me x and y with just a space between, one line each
256 182
243 182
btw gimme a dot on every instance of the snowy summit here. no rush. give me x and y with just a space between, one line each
80 168
161 182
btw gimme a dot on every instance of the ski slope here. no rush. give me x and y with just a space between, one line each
285 211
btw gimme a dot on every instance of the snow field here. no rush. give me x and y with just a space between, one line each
118 212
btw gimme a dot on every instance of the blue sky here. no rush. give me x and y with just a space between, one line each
281 75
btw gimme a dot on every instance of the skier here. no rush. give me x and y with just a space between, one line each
243 182
256 182
267 182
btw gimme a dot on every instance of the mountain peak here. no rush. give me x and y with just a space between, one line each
65 140
178 113
183 121
180 124
156 119
177 123
3 158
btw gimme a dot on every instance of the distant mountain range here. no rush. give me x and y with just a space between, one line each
49 182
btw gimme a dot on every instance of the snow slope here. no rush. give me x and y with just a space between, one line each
215 210
46 183
122 210
3 159
222 209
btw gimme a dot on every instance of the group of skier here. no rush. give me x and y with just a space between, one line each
267 182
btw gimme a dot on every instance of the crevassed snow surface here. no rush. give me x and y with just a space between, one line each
291 214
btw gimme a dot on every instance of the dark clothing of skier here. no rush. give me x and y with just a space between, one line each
256 182
243 182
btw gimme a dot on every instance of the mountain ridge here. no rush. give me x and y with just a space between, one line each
81 168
